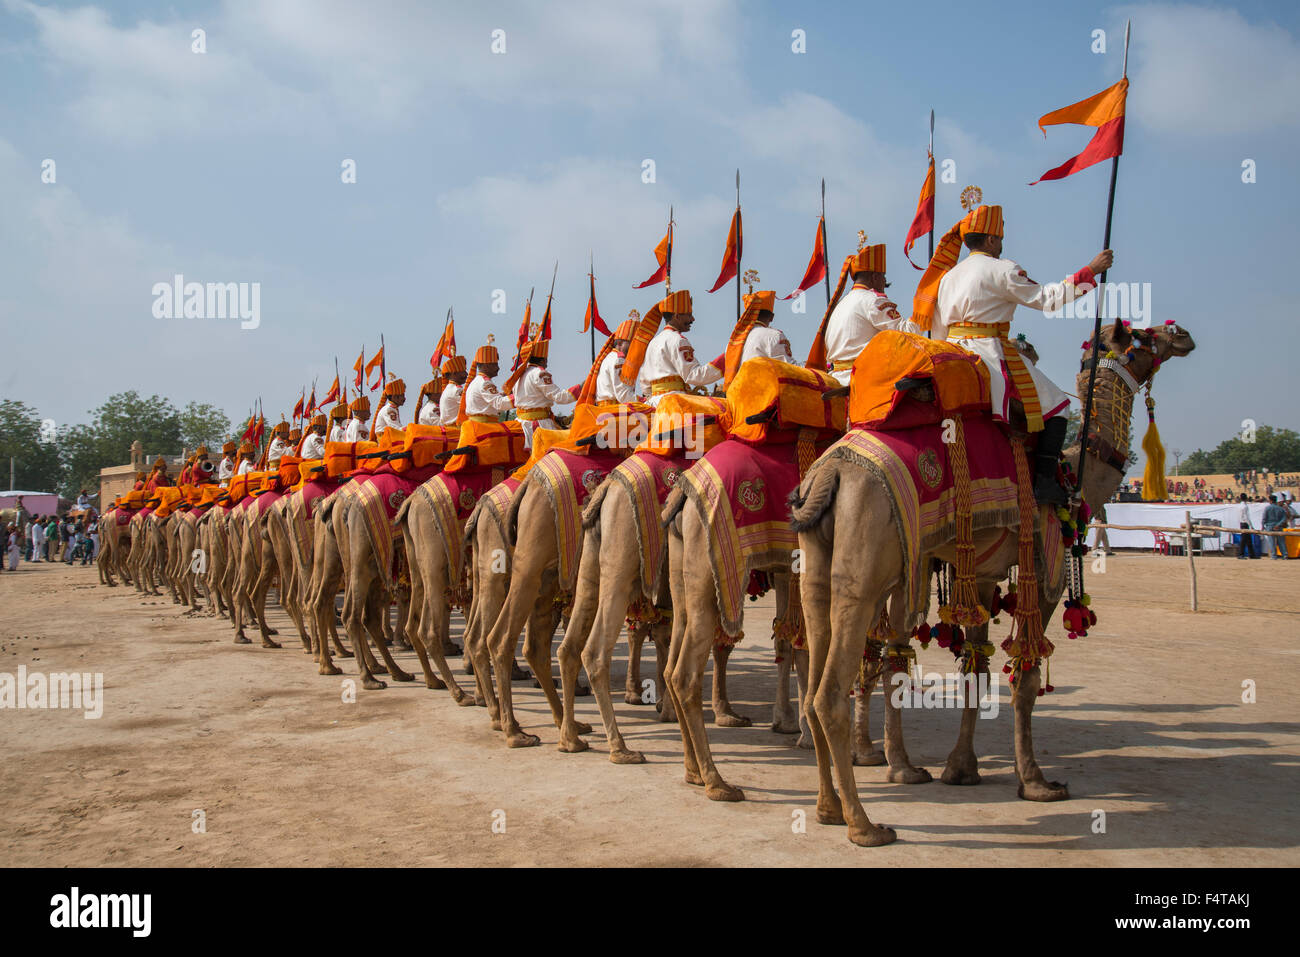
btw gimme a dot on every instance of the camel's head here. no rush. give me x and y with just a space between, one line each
1144 346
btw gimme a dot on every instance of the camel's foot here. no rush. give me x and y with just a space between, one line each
268 643
908 775
496 723
328 670
694 778
462 699
272 631
582 690
522 739
397 674
871 759
962 769
1043 790
580 727
634 697
241 640
373 684
572 744
401 642
729 719
449 650
830 811
722 791
435 683
786 724
519 674
872 836
344 653
626 756
666 713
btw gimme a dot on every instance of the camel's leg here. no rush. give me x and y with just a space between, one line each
963 766
262 584
1034 786
724 716
901 769
677 589
865 753
586 599
326 575
525 582
784 720
619 573
538 636
661 634
815 594
633 693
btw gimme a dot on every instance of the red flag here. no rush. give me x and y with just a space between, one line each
251 428
524 332
544 330
593 313
333 393
311 404
360 367
731 256
297 409
261 430
923 222
816 270
446 346
663 253
1105 111
376 363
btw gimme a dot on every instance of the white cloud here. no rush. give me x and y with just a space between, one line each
1208 71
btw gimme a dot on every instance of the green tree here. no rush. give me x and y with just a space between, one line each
37 466
121 420
1277 450
203 424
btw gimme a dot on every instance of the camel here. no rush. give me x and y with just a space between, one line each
291 570
212 538
114 547
289 519
845 590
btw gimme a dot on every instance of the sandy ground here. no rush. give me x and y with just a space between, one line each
1147 724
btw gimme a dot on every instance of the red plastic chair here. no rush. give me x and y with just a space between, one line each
1162 544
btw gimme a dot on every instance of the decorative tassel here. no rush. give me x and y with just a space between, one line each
1153 479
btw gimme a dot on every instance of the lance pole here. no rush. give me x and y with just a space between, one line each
1086 422
738 245
826 255
591 274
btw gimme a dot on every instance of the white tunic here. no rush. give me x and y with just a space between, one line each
357 431
670 354
984 290
277 450
338 432
537 390
245 467
482 398
387 418
313 447
430 414
610 386
766 341
449 404
226 469
859 315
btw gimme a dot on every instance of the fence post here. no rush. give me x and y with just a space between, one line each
1191 565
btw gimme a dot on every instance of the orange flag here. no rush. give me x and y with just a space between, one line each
524 333
376 363
1105 111
333 393
663 253
816 270
360 367
923 221
731 256
446 346
593 313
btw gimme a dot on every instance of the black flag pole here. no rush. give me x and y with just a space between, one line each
591 274
739 246
1085 423
929 333
826 254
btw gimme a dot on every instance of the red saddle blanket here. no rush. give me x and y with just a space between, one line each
569 479
741 491
452 496
647 478
916 467
124 517
381 494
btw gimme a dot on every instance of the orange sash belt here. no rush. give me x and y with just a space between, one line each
485 419
839 365
1021 381
671 383
533 415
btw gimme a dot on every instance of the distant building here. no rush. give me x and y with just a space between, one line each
116 479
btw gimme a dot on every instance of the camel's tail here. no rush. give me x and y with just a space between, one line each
813 498
400 518
672 506
591 514
511 529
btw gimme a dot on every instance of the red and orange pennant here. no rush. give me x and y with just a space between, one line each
524 333
376 363
333 393
816 270
923 221
1105 111
731 255
592 314
297 409
663 253
446 346
359 366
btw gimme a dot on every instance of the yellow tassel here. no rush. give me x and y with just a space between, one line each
1153 479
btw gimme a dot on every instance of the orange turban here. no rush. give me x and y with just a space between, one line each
755 302
869 259
229 448
540 349
360 405
454 364
486 354
394 388
626 330
339 412
319 419
982 219
676 302
281 428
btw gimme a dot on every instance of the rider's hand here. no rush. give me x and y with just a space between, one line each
1102 261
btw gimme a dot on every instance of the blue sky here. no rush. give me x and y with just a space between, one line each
477 171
